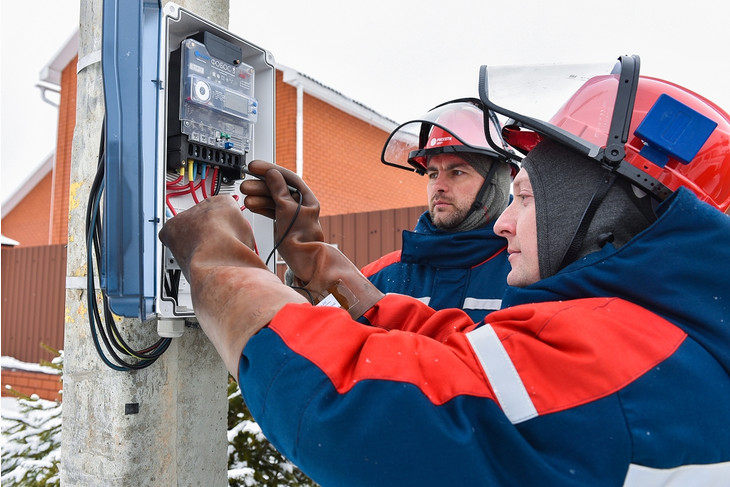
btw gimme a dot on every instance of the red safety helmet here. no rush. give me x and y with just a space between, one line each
455 127
706 173
704 168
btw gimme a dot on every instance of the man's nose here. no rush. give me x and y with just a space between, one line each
439 183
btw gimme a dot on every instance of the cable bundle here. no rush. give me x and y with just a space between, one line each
107 329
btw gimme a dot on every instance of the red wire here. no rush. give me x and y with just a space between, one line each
185 190
181 193
192 192
212 182
169 205
170 184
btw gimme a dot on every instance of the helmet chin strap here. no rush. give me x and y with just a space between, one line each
571 254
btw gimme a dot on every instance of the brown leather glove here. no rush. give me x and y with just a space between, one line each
259 199
321 269
234 294
334 277
293 223
215 227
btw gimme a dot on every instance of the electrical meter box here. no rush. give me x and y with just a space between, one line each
215 118
189 105
219 101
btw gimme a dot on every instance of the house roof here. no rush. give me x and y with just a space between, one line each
28 184
51 72
335 98
6 241
49 78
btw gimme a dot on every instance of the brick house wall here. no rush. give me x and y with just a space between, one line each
341 157
286 124
62 168
344 169
46 386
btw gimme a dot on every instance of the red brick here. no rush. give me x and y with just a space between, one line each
46 386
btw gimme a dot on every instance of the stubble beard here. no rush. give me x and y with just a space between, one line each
447 220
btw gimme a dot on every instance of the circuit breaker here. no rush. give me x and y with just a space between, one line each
189 104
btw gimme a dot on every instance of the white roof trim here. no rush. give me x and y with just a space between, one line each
28 184
336 99
51 72
8 241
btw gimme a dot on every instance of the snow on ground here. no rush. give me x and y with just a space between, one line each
25 450
12 363
12 407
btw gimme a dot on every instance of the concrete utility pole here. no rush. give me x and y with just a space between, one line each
161 426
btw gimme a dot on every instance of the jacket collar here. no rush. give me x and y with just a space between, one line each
429 245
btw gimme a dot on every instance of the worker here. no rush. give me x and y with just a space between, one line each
453 258
608 365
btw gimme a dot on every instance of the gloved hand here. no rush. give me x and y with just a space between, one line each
320 268
334 276
293 223
216 228
234 294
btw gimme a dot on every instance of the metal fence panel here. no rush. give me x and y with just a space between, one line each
33 301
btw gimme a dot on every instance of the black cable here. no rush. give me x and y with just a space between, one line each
110 336
217 187
95 318
309 294
291 224
172 283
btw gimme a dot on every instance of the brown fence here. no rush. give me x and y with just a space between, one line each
33 301
363 237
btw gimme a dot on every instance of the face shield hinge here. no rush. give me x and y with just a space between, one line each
613 154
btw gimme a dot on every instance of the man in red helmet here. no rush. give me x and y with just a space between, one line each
453 258
610 367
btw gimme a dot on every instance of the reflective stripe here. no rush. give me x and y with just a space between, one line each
710 474
471 303
502 374
475 303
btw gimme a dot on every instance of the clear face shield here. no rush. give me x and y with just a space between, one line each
589 109
452 127
533 99
596 119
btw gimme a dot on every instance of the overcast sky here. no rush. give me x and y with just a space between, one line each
398 57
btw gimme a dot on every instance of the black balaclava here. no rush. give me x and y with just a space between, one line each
494 198
563 183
